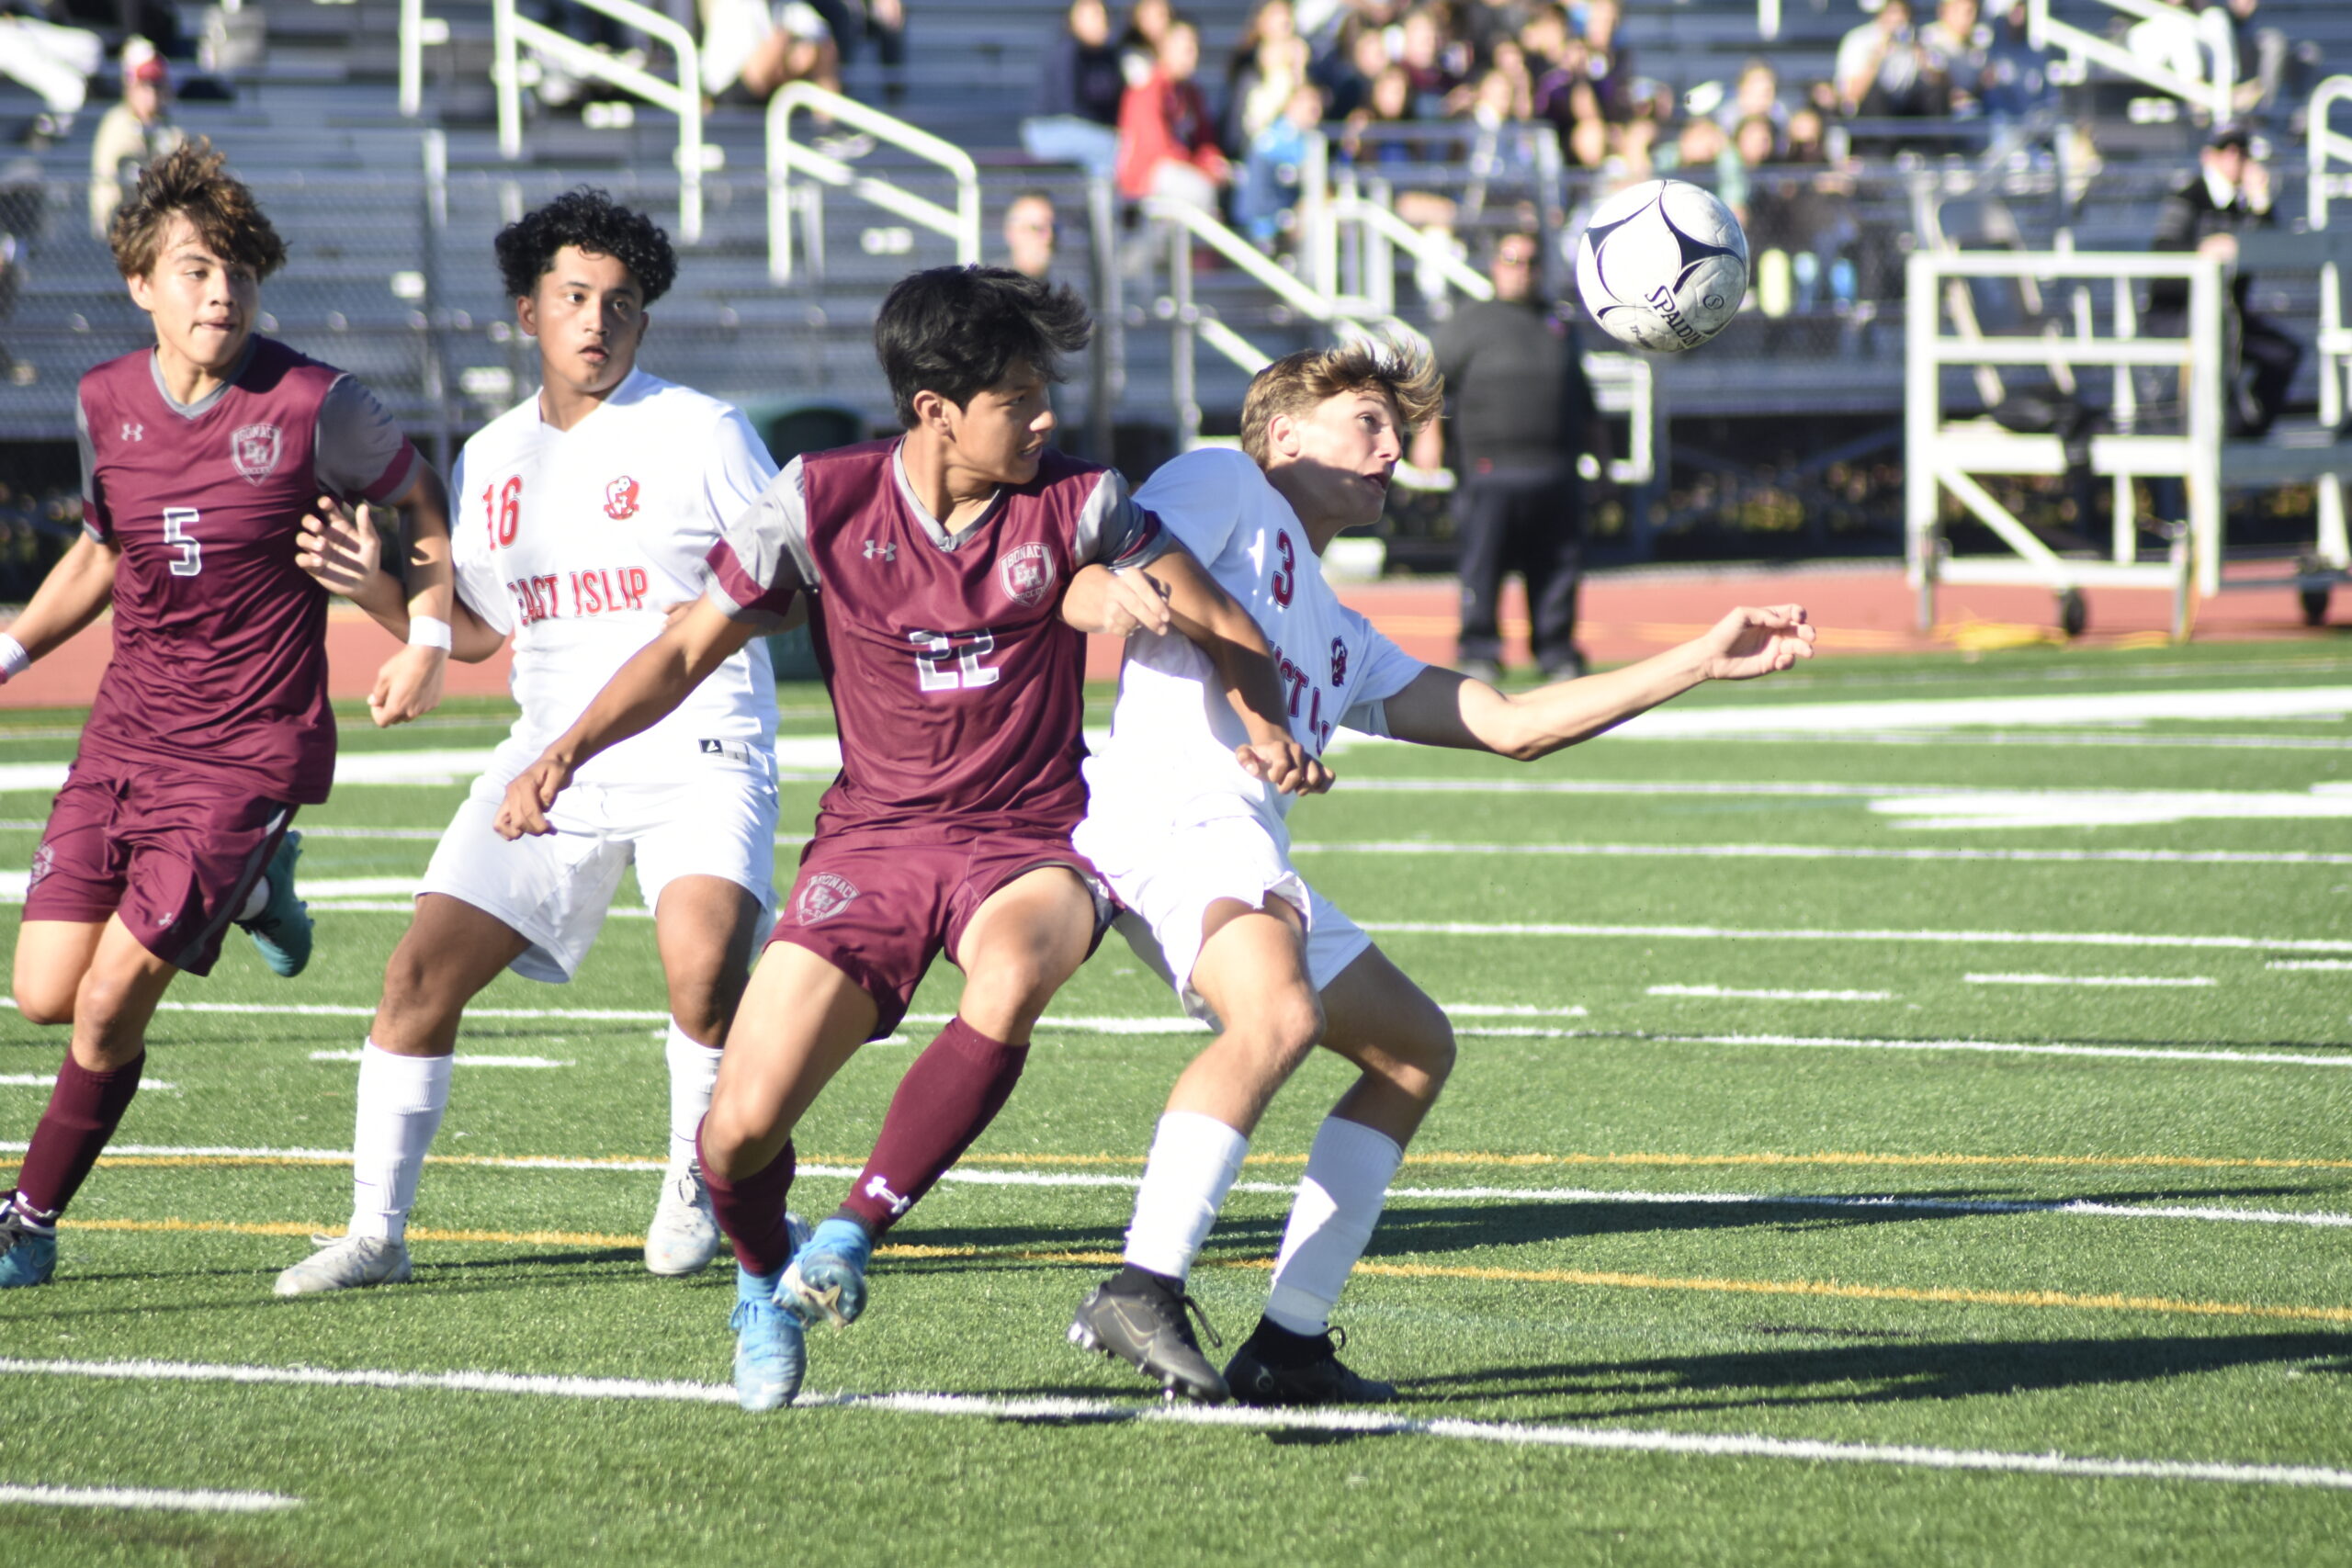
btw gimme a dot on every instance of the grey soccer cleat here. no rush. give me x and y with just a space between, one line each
346 1262
1145 1326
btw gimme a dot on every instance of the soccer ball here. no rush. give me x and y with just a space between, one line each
1662 266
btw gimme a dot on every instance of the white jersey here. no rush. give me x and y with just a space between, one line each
572 542
1170 757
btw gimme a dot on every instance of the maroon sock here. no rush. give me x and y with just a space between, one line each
947 1099
750 1210
84 1111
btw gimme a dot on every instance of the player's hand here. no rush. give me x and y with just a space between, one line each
528 796
338 547
1749 642
673 613
1291 768
1135 601
408 686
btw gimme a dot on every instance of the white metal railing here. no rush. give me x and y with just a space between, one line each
788 158
681 98
2328 147
2207 36
418 31
1944 456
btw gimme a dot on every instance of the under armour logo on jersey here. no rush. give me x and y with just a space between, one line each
878 1188
133 432
881 550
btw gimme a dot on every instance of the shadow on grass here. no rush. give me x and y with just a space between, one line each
1876 1372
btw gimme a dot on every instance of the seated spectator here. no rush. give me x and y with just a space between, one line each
1346 74
1077 113
1268 194
1958 46
131 134
1882 69
1031 232
2017 76
1701 151
1167 144
748 50
855 23
1433 64
1390 102
1147 23
2206 211
1757 92
55 62
1609 65
1268 66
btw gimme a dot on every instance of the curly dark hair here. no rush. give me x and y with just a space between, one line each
959 329
595 223
193 180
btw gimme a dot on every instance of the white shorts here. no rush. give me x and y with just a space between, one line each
554 890
1168 881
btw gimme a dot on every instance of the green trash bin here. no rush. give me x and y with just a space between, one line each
791 426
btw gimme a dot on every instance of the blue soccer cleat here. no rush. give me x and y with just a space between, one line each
826 1280
282 930
28 1253
769 1357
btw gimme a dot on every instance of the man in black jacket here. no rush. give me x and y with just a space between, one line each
2206 212
1523 415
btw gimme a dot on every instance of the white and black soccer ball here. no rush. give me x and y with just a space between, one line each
1662 266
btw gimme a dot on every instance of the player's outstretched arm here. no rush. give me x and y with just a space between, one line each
79 586
343 552
1208 614
1443 708
409 685
641 693
1101 601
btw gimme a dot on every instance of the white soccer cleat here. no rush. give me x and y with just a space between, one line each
683 1236
345 1263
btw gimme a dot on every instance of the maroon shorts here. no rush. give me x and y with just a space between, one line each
175 855
879 908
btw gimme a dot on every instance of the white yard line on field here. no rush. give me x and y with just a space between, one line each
470 1058
1770 996
49 1080
2144 982
2337 965
1067 1411
146 1499
1825 852
1866 1203
1805 933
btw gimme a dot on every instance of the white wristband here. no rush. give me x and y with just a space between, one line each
14 660
428 631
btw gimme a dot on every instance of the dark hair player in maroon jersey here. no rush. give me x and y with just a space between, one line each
949 575
200 460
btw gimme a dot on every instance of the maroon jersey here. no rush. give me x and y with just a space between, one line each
956 684
220 639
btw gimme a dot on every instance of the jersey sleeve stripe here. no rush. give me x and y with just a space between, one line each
740 590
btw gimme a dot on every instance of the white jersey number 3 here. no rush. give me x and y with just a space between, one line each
948 662
177 521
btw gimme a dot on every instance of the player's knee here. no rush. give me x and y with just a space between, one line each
43 1004
1429 1054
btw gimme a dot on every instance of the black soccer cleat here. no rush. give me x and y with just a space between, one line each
1143 1324
1276 1367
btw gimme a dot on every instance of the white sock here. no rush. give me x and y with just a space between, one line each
694 1068
256 901
1194 1161
1338 1204
401 1101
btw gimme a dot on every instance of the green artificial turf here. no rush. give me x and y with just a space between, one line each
1646 1204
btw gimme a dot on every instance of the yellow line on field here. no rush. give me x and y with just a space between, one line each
1430 1159
1602 1279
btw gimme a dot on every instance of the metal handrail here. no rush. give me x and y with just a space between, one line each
2328 146
1938 457
2215 93
681 98
788 157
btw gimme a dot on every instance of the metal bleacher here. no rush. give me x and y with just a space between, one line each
389 218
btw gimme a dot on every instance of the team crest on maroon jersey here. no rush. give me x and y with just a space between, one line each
1028 573
823 896
620 499
255 449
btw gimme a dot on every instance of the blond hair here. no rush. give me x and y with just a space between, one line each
1399 368
193 180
